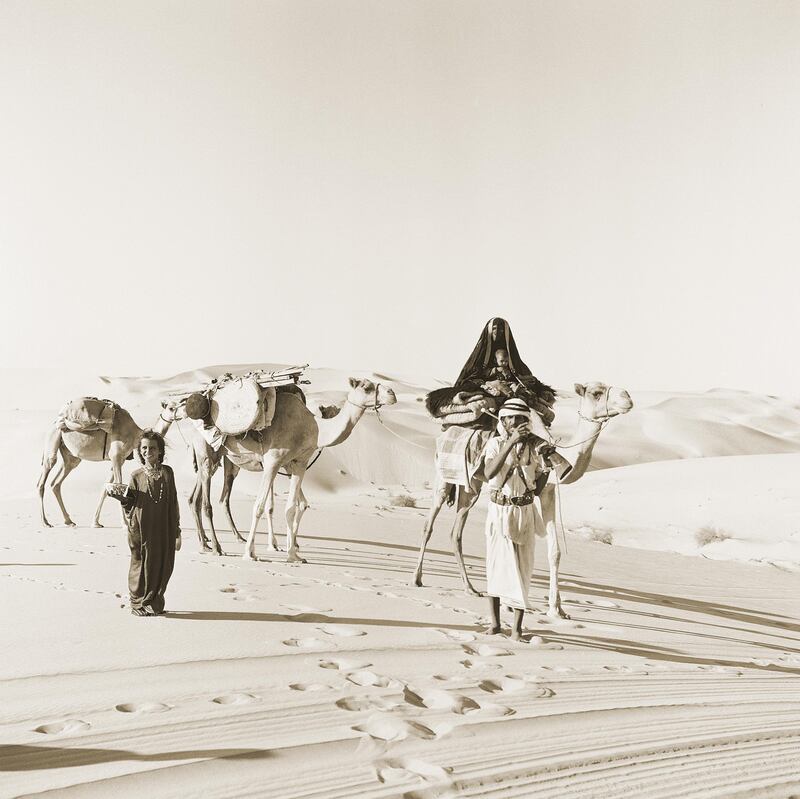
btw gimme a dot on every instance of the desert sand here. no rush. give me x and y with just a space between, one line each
678 674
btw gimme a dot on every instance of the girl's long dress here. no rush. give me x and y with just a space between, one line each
511 530
151 510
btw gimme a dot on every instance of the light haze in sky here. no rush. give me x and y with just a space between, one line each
363 184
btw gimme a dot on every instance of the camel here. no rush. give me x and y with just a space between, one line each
93 445
598 403
288 443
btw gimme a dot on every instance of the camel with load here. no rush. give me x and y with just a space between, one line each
598 403
289 443
114 445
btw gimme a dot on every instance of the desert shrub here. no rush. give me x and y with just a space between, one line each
710 535
602 537
403 501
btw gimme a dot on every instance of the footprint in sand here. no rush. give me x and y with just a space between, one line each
601 603
309 686
142 707
229 589
441 700
305 643
508 684
544 692
341 630
393 770
236 699
471 664
305 609
392 728
343 664
63 727
493 710
541 643
457 635
362 703
486 650
365 678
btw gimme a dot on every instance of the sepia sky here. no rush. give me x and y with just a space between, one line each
362 184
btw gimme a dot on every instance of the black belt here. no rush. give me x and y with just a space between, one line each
499 498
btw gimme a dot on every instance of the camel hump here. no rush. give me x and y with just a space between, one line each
85 414
240 405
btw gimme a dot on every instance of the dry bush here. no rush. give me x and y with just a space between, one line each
602 537
402 501
710 535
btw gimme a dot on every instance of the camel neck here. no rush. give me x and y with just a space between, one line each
337 429
162 425
579 450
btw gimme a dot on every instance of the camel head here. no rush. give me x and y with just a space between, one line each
173 410
366 394
600 402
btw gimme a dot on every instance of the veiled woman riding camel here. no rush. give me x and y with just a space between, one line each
493 372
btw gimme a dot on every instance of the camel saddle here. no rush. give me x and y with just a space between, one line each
241 404
85 414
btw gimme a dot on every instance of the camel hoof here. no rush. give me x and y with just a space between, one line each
218 551
274 548
70 523
557 614
248 556
46 524
293 557
205 548
416 582
97 526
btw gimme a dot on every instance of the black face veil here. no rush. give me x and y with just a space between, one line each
482 356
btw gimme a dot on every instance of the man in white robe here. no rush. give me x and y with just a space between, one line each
512 463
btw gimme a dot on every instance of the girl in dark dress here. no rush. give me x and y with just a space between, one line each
150 503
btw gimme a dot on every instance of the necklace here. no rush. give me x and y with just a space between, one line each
155 474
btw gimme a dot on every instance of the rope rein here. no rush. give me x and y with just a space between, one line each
376 406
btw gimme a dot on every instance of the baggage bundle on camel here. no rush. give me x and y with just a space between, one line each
234 404
85 414
476 406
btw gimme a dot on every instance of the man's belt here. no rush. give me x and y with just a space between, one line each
499 498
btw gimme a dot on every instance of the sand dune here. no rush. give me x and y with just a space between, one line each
675 677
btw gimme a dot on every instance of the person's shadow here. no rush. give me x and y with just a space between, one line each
19 757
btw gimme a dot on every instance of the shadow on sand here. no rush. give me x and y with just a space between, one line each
34 758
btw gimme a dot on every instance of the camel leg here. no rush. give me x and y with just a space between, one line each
466 501
229 473
205 474
272 544
270 471
96 520
69 463
293 513
554 609
49 458
440 493
196 504
302 507
116 454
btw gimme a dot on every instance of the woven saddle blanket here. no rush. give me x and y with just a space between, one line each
459 454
